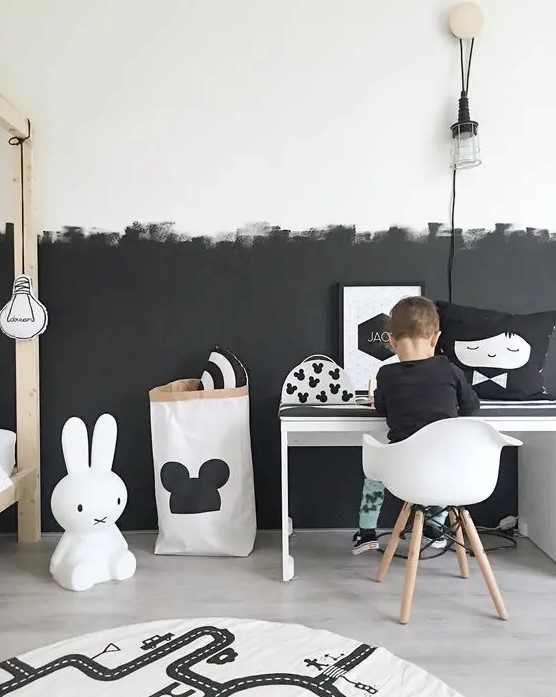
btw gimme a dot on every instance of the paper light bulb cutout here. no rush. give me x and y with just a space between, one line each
23 316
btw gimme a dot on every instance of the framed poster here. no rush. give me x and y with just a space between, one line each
364 316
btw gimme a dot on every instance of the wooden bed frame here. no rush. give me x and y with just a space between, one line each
25 488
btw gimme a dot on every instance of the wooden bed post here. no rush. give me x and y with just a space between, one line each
25 489
27 364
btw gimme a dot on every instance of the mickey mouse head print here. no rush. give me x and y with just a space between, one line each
200 494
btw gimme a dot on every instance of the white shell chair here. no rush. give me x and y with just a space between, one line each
451 463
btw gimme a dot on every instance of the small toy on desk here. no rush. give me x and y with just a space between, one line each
87 502
369 399
318 380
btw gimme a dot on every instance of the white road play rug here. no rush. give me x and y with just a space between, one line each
214 658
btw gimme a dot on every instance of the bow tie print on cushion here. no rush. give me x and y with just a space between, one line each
479 378
502 354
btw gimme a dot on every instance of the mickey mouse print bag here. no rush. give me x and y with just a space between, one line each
317 380
203 469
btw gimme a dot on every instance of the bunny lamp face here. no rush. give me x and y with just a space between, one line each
89 499
88 502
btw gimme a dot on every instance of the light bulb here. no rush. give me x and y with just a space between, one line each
466 150
23 316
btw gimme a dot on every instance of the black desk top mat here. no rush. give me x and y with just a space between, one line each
356 411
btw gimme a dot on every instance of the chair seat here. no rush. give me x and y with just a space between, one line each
453 461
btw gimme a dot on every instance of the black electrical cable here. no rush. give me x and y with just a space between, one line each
16 140
465 90
464 77
452 237
469 65
461 65
450 545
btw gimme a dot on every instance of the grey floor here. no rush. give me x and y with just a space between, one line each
453 632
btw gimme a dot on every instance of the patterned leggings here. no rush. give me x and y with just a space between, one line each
371 503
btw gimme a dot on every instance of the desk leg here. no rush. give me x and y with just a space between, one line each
287 559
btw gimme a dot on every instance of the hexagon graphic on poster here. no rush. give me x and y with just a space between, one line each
364 317
372 337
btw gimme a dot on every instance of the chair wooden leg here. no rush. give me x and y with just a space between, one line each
460 551
394 542
484 565
412 564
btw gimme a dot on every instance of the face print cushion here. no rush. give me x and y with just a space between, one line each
501 354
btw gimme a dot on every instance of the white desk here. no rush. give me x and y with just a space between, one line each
328 426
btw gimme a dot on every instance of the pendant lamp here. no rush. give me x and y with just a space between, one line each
466 21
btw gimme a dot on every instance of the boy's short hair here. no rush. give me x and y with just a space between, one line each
414 318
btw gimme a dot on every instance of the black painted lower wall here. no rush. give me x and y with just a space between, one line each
128 313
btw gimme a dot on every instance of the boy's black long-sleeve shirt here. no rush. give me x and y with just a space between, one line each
413 394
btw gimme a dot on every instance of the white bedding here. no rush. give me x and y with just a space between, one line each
5 481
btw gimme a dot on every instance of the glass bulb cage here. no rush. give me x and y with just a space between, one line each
466 149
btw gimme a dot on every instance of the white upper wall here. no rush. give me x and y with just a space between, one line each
219 113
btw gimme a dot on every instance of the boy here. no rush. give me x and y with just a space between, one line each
413 393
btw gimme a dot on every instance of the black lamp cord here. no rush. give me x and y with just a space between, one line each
451 542
16 140
450 545
465 90
452 236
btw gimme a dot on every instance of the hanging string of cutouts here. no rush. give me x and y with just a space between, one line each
464 88
16 140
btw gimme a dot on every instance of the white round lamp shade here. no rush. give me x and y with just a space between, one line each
466 20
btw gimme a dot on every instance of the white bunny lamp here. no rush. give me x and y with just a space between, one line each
86 503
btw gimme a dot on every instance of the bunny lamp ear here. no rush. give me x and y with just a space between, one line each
104 443
75 446
214 472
